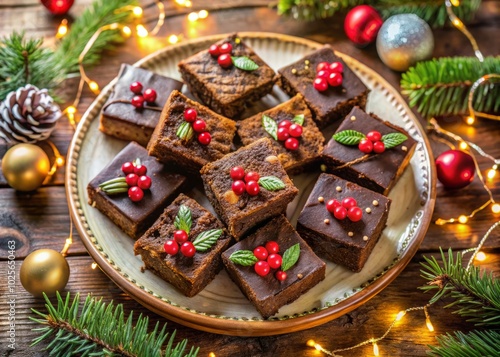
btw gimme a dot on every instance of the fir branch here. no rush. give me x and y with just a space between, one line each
475 294
24 61
432 11
472 344
101 13
441 86
101 330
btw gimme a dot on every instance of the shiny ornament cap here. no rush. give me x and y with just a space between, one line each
28 115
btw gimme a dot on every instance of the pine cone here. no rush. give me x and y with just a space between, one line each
28 115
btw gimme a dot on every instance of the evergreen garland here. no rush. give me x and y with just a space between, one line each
441 86
432 11
102 330
475 295
24 61
472 344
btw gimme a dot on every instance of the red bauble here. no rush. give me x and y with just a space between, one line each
58 7
361 24
455 168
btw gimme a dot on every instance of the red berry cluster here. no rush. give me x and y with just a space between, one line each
289 133
347 208
372 142
199 126
137 180
242 181
328 75
269 258
180 242
138 100
223 54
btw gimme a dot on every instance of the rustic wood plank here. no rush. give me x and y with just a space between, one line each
408 338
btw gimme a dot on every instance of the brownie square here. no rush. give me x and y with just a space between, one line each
267 293
381 171
190 154
188 274
241 213
135 217
227 91
123 120
343 241
310 143
332 104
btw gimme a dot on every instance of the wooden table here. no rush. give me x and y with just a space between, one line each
41 219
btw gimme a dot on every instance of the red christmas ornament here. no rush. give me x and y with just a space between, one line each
455 169
361 24
58 7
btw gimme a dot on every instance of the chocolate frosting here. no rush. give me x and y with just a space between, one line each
382 168
163 184
279 230
121 91
337 231
322 103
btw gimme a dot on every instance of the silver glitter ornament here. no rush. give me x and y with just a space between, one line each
404 40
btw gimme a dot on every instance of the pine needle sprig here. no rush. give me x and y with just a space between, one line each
475 293
441 86
101 329
24 61
101 13
432 11
472 344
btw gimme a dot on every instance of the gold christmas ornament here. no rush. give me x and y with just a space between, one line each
44 271
25 167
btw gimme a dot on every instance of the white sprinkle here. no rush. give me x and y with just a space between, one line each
321 199
350 234
404 148
375 203
339 189
353 118
368 210
365 238
327 221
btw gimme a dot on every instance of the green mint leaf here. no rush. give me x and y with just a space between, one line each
185 131
245 258
271 183
114 186
298 119
348 137
183 219
393 139
269 125
244 63
206 239
290 257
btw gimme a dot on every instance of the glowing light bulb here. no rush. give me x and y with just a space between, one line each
211 354
141 31
492 173
375 349
455 2
180 2
94 265
463 145
469 120
94 87
173 39
59 161
188 3
203 14
137 11
400 315
429 324
480 257
311 343
495 208
62 30
193 17
71 110
457 23
462 219
126 31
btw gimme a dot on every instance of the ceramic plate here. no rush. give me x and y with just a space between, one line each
221 307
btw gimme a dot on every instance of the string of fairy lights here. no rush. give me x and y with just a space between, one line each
443 135
446 137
